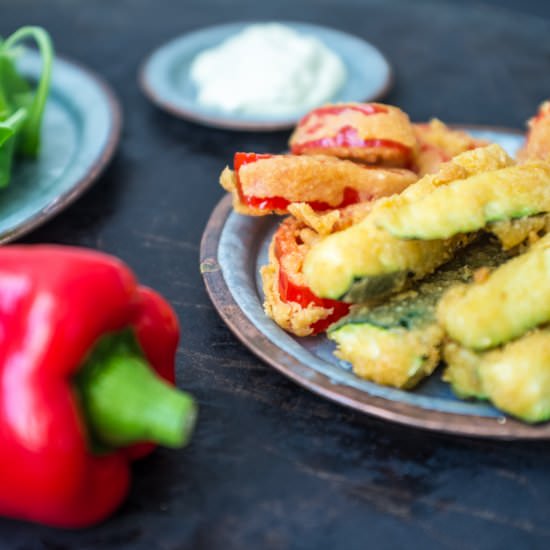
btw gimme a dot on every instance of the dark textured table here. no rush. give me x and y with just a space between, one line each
271 465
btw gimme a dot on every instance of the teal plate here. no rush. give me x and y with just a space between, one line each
234 248
80 133
165 75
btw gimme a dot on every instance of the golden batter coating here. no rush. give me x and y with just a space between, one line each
324 182
521 231
290 316
514 377
325 223
537 143
437 143
400 358
372 133
365 252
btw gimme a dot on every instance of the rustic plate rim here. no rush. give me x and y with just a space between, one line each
103 157
385 409
228 122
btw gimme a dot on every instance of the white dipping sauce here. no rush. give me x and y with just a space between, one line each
267 69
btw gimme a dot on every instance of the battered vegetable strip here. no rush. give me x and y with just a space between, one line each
515 378
397 343
288 300
365 262
461 371
537 143
437 143
263 184
470 204
512 300
399 357
366 132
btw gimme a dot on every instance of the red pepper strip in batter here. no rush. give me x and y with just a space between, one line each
285 244
322 112
347 136
351 196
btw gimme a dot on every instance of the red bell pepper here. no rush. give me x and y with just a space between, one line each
86 372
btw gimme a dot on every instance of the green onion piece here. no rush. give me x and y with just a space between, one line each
29 141
8 140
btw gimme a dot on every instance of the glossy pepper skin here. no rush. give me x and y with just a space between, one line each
55 303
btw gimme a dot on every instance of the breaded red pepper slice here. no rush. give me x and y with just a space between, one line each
263 184
537 142
288 300
367 132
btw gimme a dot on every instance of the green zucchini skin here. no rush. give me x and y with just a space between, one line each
367 288
399 358
515 378
512 300
510 233
398 342
468 205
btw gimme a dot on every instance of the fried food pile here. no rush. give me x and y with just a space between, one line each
411 244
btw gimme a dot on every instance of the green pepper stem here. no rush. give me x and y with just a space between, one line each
126 402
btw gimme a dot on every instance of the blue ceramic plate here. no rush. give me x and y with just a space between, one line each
165 75
233 249
80 132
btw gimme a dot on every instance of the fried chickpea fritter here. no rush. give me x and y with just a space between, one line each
269 183
366 132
